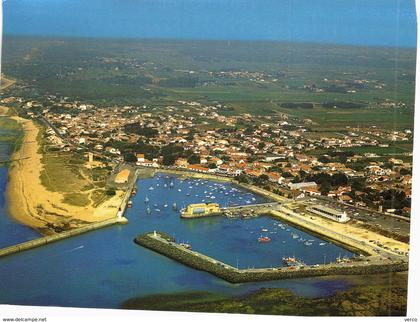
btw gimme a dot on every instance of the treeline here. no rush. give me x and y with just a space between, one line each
297 105
136 128
342 105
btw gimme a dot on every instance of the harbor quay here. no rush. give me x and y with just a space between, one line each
164 244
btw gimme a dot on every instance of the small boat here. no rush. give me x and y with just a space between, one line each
171 185
295 236
174 205
292 262
264 229
146 200
157 209
133 192
165 185
129 204
151 188
264 239
179 190
148 210
165 205
322 244
307 243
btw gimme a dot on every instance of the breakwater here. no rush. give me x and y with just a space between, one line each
166 245
53 238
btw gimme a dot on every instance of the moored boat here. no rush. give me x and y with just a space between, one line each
292 262
264 239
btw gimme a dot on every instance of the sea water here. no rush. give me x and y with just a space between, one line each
105 267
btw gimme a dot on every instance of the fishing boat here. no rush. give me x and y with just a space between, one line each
292 262
264 239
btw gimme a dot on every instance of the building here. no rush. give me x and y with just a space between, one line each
122 176
329 213
300 185
200 209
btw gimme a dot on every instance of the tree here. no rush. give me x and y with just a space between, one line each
168 159
323 159
212 165
194 159
339 179
130 157
110 192
325 188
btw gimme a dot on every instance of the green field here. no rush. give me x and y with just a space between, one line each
158 73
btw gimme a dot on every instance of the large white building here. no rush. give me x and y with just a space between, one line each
330 213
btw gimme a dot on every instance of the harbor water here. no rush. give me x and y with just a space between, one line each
103 268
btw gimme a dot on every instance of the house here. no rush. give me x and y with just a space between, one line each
181 162
140 157
301 185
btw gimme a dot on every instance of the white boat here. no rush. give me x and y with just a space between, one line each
146 200
322 244
151 188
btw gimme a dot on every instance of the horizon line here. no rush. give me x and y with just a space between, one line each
133 38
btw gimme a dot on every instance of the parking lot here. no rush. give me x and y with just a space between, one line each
374 219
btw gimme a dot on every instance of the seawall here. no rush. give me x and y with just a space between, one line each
160 243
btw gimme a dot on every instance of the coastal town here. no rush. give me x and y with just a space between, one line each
281 153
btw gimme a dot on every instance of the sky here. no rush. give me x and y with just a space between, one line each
356 22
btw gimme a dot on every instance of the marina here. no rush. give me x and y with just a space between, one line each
233 241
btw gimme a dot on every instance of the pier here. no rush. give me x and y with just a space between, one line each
166 245
56 237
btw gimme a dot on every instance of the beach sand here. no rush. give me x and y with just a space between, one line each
33 205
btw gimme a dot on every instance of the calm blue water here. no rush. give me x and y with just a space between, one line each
105 267
356 22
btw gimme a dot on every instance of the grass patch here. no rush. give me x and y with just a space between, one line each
76 199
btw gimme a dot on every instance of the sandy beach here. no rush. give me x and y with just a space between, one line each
33 205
